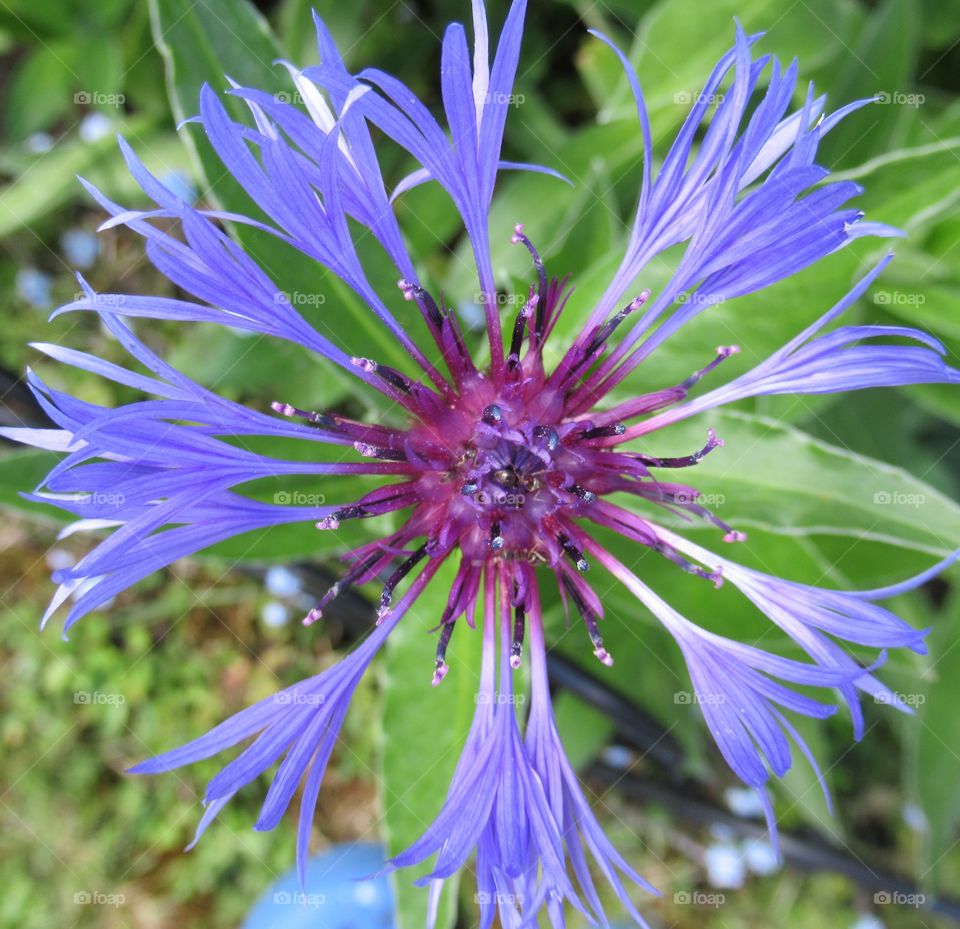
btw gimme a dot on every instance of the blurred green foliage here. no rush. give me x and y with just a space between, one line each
853 491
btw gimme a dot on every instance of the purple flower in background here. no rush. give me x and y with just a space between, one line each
502 463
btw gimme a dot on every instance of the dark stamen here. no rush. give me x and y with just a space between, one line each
548 436
496 539
723 352
395 578
687 460
604 432
457 336
380 451
590 620
423 299
573 552
376 503
357 571
441 668
519 237
587 496
492 415
317 419
516 342
334 519
610 326
387 374
516 647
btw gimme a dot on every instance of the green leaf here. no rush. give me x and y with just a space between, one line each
66 18
779 479
258 369
913 192
424 729
881 65
933 763
933 308
52 180
21 472
698 34
97 64
39 91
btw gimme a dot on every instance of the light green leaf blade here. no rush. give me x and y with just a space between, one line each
777 478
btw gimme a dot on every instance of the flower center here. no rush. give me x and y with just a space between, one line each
506 466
